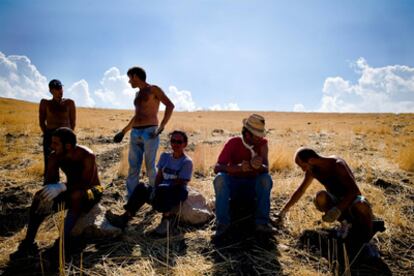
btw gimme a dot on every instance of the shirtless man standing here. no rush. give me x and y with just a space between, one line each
342 201
55 113
81 192
144 139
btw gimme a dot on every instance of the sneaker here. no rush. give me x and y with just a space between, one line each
120 221
264 229
25 250
221 230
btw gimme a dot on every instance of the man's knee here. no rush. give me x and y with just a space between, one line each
323 201
265 182
362 210
219 182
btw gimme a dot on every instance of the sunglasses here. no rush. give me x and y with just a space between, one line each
179 142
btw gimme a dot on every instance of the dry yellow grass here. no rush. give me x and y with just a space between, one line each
375 145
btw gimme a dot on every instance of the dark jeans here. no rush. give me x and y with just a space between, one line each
230 187
76 202
165 198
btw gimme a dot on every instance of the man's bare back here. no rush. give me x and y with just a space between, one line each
79 167
335 175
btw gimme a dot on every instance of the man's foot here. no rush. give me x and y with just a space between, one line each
169 222
221 230
164 225
26 249
120 221
264 229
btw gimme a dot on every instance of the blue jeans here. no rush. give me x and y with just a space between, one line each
141 145
227 186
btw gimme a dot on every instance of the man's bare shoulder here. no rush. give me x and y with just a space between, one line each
44 101
156 90
85 150
67 101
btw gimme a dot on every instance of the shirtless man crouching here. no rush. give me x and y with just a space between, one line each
144 139
341 201
81 192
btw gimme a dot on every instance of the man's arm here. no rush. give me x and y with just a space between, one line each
223 163
72 114
184 176
169 106
159 178
307 180
42 115
260 163
128 126
120 135
89 173
52 170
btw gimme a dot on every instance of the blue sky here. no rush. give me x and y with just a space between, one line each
345 56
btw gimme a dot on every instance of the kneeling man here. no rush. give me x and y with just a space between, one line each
243 163
81 192
341 201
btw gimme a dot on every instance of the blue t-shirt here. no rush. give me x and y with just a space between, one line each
172 168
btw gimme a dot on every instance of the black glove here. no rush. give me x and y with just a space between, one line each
157 132
118 137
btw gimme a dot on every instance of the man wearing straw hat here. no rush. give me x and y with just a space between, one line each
243 164
81 192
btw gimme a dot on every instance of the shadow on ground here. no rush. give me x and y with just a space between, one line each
363 261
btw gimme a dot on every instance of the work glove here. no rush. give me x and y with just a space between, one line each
332 215
157 132
118 137
52 190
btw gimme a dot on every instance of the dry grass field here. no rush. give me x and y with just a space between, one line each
378 147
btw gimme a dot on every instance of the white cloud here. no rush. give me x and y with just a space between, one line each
79 92
116 91
20 79
182 99
381 89
299 108
226 107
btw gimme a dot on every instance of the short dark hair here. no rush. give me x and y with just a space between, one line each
304 154
66 136
53 84
137 71
182 133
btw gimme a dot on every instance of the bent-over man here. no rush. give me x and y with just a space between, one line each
341 201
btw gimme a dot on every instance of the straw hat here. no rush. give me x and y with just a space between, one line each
255 124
